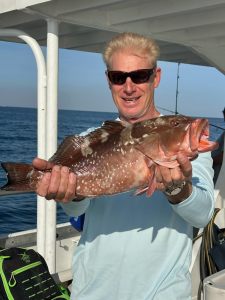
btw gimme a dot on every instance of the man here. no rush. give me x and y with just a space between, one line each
135 247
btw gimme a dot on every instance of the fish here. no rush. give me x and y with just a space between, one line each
119 157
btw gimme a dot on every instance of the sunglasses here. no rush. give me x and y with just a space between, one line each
138 76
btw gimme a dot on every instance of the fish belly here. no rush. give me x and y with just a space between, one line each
116 174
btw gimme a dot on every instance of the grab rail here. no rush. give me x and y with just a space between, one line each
41 127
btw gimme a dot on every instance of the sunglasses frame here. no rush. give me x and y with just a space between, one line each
133 76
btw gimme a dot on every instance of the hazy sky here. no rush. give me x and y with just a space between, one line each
82 83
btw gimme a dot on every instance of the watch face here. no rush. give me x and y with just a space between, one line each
174 190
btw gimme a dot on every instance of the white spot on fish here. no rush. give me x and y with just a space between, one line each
131 142
160 121
104 136
126 136
85 148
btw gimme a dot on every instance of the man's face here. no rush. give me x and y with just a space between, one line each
135 102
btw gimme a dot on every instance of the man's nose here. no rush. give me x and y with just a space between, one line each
129 86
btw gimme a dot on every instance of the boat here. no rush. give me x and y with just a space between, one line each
190 32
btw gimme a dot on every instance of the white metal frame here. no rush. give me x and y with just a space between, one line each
47 115
51 137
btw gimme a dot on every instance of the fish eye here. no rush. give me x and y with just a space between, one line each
175 123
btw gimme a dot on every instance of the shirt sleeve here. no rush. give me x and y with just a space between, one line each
75 209
198 208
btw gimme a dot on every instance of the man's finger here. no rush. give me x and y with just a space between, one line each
71 188
42 164
43 184
185 165
55 180
166 175
63 184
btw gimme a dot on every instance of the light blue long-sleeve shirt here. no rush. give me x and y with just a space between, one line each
139 248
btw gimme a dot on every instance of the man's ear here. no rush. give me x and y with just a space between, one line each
157 77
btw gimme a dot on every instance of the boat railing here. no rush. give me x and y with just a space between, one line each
47 115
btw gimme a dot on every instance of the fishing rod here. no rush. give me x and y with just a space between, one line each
216 126
176 112
171 111
177 89
177 92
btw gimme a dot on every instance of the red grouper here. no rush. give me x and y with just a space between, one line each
118 157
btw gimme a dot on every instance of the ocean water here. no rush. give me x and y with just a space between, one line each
18 140
18 143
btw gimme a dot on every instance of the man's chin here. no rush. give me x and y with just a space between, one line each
130 118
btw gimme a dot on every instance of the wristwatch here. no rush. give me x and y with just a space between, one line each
175 189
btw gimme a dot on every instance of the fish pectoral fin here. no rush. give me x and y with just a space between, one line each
151 183
150 190
140 191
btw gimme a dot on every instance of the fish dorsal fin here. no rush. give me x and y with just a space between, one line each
113 126
68 150
103 133
107 128
74 147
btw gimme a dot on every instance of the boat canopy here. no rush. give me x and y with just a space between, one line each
189 32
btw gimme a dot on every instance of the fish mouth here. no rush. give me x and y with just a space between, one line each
199 136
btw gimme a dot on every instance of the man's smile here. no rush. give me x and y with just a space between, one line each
133 99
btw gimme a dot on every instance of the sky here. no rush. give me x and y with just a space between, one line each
83 86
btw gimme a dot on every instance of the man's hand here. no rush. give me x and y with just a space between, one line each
58 184
167 178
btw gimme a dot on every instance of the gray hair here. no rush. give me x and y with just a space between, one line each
134 43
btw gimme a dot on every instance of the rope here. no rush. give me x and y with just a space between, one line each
207 266
173 112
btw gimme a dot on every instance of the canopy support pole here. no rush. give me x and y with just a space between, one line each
51 137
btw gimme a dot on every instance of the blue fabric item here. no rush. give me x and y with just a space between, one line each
138 247
78 222
220 141
218 152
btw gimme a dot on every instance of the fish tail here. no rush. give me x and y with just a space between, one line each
18 176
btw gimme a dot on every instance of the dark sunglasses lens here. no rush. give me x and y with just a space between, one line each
140 76
117 77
